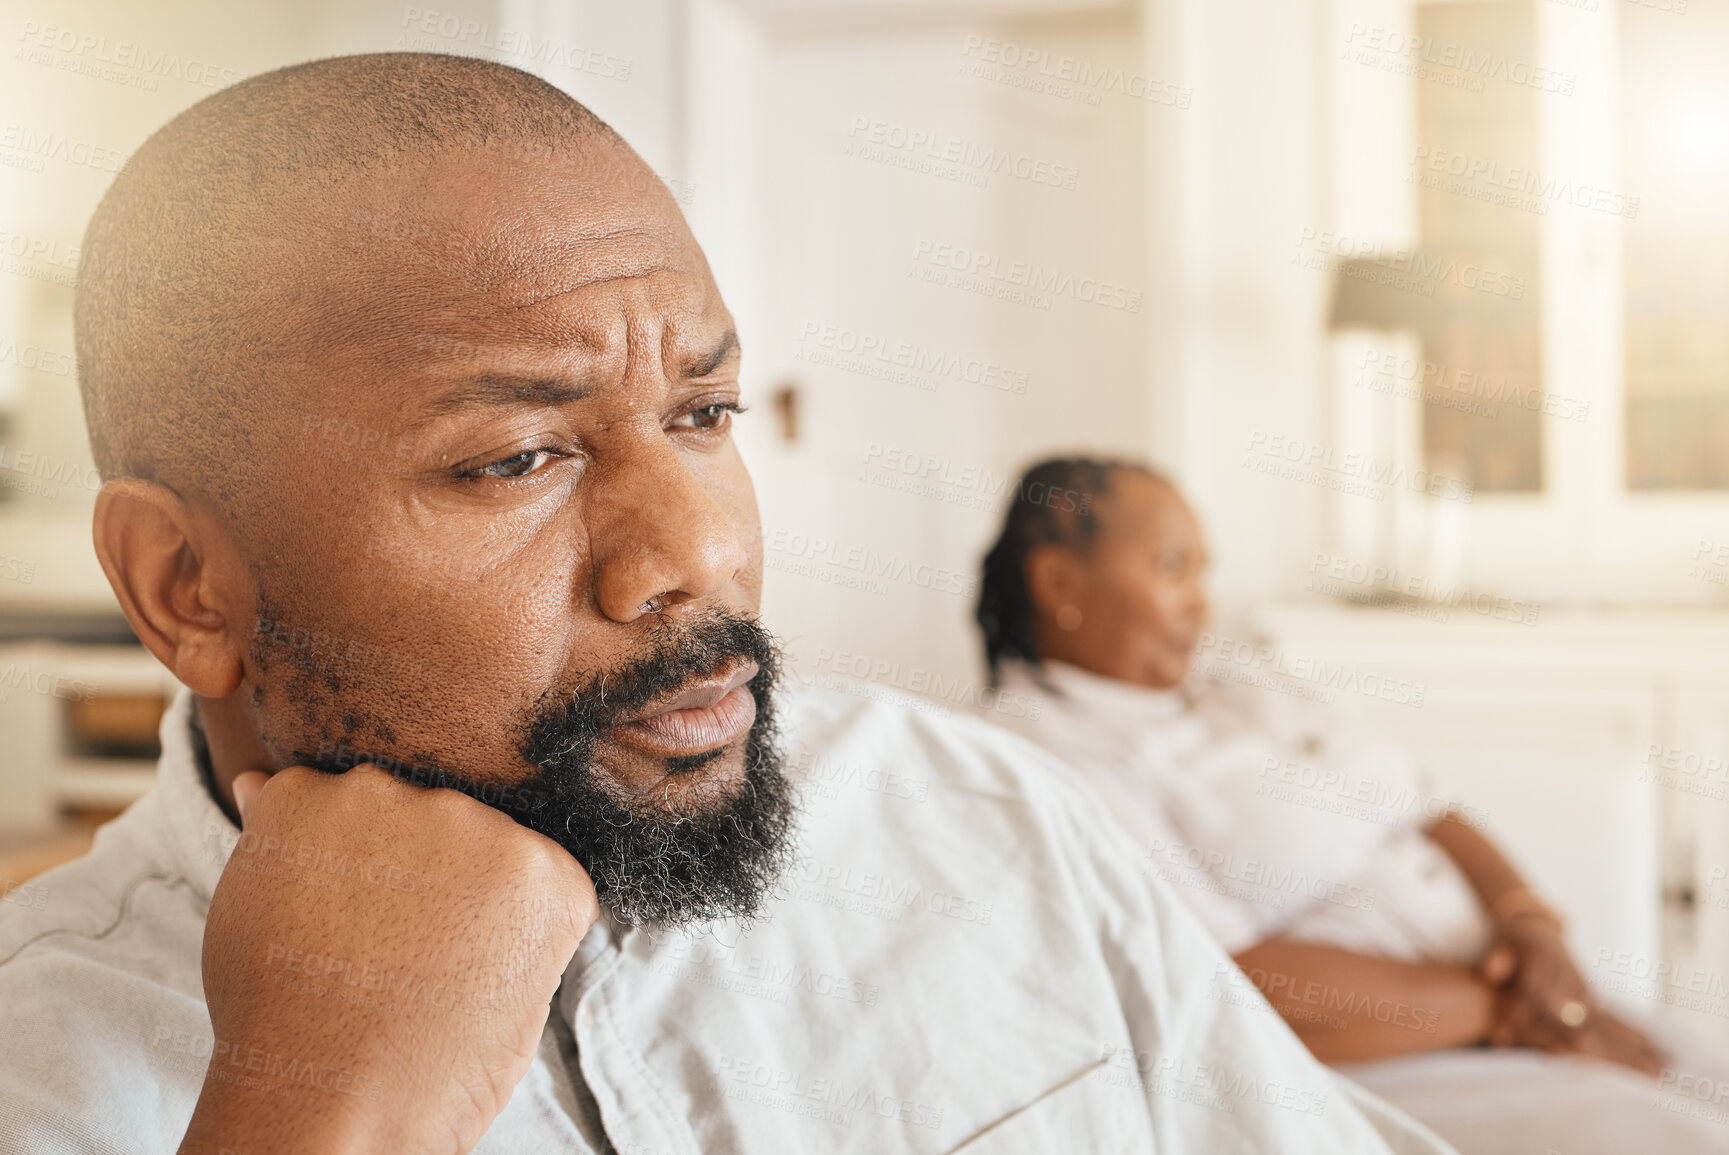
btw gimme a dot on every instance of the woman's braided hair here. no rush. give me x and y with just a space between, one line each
1054 504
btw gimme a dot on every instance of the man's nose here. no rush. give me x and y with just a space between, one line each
660 532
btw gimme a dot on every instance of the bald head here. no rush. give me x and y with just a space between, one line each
207 267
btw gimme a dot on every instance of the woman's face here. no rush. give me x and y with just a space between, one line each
1138 588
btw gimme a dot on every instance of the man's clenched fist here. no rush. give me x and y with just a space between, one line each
384 956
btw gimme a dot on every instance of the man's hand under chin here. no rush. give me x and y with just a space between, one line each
379 962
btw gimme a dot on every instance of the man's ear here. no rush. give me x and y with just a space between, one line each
1054 579
166 564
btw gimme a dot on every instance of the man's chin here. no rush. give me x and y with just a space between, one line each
704 844
677 784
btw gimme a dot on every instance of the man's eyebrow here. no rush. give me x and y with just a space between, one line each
496 390
717 357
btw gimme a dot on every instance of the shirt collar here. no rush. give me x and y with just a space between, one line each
1095 693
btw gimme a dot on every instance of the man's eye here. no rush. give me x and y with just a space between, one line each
517 465
714 416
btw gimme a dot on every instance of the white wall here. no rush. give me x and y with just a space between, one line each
840 237
1236 331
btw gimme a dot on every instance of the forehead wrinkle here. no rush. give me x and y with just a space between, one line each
546 245
699 362
554 294
549 322
520 260
502 391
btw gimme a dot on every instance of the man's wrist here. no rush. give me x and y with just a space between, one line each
230 1120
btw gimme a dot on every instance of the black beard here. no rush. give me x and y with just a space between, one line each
720 855
716 856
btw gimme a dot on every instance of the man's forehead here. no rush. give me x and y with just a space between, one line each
469 240
539 269
455 214
595 305
550 355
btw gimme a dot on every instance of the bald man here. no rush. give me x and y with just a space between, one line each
478 824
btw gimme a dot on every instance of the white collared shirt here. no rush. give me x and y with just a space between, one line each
968 957
1270 814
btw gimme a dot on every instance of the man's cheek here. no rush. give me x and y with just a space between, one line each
748 518
749 582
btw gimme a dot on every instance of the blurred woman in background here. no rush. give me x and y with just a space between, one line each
1375 917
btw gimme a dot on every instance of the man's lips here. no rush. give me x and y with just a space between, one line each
699 717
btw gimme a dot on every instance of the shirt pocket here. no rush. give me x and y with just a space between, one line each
1098 1108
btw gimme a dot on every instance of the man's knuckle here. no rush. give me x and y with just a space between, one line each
293 777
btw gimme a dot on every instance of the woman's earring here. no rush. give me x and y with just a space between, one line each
1069 619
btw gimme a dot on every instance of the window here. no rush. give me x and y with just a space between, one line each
1574 159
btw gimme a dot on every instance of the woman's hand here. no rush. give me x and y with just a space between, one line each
1541 999
1606 1037
1543 996
1544 974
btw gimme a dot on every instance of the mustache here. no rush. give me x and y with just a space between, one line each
566 724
